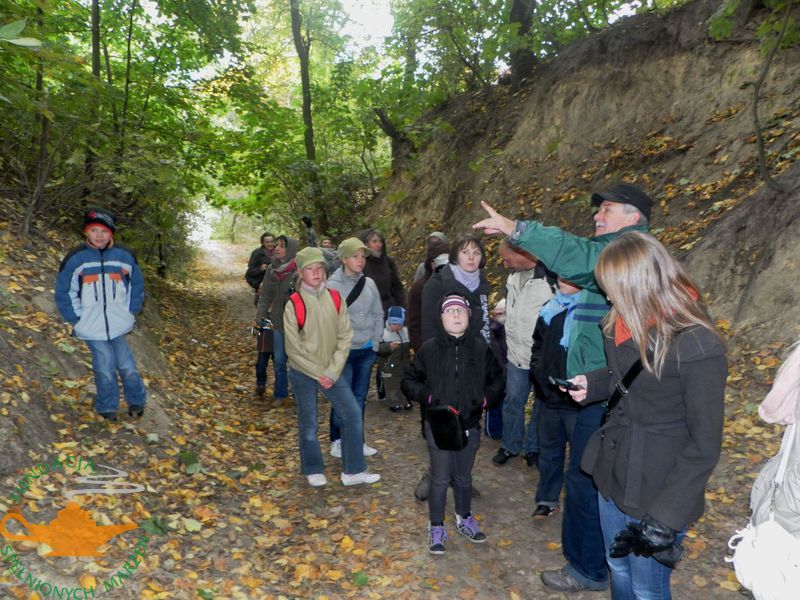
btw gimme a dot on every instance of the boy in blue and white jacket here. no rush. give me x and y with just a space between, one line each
99 289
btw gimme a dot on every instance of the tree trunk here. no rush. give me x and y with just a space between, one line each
91 157
522 59
126 95
303 46
402 145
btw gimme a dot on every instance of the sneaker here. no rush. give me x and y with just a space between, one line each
369 451
109 417
436 537
260 389
316 480
561 581
357 478
502 456
136 411
468 527
532 459
543 511
407 405
395 407
336 448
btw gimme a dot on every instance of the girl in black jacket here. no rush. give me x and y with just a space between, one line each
652 457
457 370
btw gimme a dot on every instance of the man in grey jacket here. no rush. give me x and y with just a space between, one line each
527 289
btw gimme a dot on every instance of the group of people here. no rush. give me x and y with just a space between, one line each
613 337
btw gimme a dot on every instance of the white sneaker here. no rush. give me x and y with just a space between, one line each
336 448
357 478
369 451
316 480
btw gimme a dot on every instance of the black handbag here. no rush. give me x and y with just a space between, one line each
445 423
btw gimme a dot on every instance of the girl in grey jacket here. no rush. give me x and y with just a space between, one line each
366 320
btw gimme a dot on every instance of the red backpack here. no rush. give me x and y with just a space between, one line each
300 306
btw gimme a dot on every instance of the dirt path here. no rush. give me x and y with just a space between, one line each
371 541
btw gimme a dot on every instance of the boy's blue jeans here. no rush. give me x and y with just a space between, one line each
108 359
556 428
341 398
356 372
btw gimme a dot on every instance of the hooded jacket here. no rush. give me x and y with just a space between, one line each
383 271
460 372
366 313
99 291
393 364
444 282
275 290
254 275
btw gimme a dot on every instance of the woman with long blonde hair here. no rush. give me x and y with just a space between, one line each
662 433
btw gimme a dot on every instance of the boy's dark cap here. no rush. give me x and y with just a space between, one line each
99 217
625 193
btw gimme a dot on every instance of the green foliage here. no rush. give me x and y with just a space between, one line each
11 34
723 21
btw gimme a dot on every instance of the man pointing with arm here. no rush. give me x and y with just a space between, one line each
624 207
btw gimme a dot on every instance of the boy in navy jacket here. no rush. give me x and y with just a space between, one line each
99 290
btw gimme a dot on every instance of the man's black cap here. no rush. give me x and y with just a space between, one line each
625 193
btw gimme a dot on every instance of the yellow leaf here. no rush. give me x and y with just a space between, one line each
334 575
180 440
699 581
504 542
553 545
302 572
729 585
346 543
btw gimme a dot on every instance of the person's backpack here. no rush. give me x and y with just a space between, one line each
300 306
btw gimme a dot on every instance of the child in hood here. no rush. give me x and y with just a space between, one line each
394 357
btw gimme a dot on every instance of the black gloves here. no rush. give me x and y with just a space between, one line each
648 538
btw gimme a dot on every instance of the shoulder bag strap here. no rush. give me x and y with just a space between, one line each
621 389
356 291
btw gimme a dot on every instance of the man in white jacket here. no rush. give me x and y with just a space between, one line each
527 289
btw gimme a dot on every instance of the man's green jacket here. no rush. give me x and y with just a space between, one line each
573 258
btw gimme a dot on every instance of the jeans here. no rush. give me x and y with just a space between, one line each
581 538
356 372
632 577
261 368
556 428
447 465
516 437
108 359
342 399
279 365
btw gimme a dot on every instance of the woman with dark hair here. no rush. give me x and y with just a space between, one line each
462 275
652 457
276 288
382 269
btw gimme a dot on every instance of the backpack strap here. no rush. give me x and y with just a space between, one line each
337 298
300 306
299 309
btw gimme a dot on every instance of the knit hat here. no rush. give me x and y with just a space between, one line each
308 256
98 217
454 300
350 246
397 315
438 235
